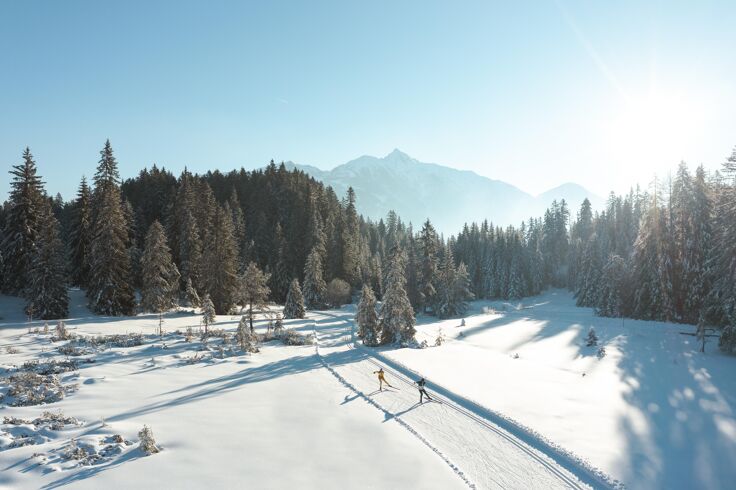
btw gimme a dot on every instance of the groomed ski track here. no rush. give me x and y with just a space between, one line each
482 453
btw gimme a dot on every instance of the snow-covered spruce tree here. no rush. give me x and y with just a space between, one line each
191 295
245 338
589 271
699 268
612 285
350 237
397 315
253 290
147 442
109 290
652 267
209 315
190 250
294 307
47 287
80 235
592 339
724 287
461 290
428 244
159 275
367 317
314 283
219 273
279 281
445 301
21 224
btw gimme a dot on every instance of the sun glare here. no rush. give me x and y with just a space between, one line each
656 128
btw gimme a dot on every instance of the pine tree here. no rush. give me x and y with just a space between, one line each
246 339
350 242
610 301
109 290
367 318
47 288
219 275
21 224
81 236
190 251
209 315
191 295
279 282
159 276
314 283
428 290
294 307
397 315
253 290
592 339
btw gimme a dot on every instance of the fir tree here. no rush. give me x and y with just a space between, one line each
21 224
47 289
253 290
592 339
428 243
109 290
81 236
314 283
219 275
397 315
245 338
160 277
191 295
610 301
367 317
209 315
294 307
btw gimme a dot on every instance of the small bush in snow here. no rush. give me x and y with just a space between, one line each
11 350
278 325
61 333
601 352
189 335
246 340
592 339
27 388
115 340
292 337
147 442
440 339
49 367
515 356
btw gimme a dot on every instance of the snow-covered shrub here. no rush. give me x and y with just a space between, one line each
114 340
71 350
601 352
147 442
28 388
592 339
246 340
278 326
11 350
49 367
292 337
189 335
61 332
440 338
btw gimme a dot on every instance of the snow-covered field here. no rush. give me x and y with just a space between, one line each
653 413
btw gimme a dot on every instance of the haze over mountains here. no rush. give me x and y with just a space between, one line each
450 197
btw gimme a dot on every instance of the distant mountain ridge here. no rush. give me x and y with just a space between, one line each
449 197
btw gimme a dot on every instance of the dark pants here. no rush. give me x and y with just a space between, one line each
422 394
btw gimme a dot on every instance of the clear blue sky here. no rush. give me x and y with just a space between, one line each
534 93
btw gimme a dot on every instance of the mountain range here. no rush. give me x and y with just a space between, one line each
449 197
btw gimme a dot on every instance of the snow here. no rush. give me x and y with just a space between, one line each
652 413
268 420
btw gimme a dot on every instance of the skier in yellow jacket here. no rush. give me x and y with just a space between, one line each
381 379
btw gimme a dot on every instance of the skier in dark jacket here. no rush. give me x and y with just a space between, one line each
422 392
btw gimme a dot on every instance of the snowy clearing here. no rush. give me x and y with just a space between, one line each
652 413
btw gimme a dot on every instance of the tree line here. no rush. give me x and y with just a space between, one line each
667 254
